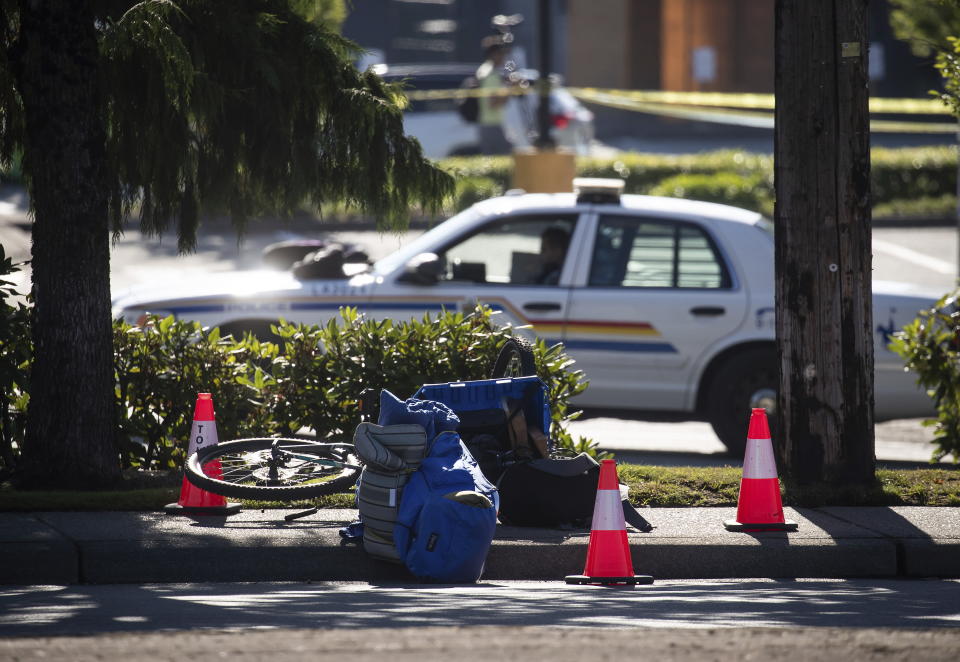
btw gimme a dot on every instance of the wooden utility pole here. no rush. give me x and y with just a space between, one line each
823 260
544 139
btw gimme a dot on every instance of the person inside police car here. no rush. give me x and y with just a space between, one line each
554 242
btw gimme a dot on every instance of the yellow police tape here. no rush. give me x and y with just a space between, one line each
717 107
463 93
759 101
750 118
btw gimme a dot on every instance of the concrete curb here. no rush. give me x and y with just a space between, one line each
143 547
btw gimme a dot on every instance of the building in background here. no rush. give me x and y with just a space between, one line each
710 45
448 31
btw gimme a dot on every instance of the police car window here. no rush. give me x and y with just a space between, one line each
528 250
631 252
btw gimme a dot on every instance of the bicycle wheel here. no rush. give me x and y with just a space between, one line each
273 469
515 359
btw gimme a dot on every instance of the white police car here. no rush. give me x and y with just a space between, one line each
667 305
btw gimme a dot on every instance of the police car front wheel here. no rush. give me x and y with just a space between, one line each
745 380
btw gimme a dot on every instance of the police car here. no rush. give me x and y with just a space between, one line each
667 305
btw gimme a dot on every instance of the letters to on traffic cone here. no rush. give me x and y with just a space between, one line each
193 500
759 507
608 554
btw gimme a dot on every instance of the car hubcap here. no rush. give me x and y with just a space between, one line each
513 365
765 398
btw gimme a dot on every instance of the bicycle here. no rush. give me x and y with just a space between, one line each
289 469
274 468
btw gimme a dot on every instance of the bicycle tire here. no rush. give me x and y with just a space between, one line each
515 359
244 469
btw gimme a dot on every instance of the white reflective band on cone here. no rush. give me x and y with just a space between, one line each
202 434
758 461
608 512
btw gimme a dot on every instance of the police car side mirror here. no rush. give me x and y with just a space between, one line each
423 269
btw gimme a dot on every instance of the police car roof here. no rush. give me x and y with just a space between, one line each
661 206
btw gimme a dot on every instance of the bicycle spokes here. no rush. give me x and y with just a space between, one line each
276 466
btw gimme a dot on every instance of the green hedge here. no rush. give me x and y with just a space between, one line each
931 347
912 181
912 173
901 179
15 353
730 188
943 206
311 379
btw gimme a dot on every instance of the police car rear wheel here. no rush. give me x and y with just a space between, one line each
746 380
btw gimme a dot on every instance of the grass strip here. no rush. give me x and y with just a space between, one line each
650 486
678 487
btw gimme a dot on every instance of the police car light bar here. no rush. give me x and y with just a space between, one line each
598 189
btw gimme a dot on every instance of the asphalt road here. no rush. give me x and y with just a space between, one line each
899 444
483 644
682 620
716 603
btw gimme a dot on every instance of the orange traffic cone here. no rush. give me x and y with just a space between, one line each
193 500
608 554
759 507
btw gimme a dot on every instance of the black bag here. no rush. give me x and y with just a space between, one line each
556 492
486 450
469 107
549 492
500 437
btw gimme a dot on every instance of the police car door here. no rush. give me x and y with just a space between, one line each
500 264
653 296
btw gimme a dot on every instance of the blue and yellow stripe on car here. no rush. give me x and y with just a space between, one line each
588 335
273 305
613 336
591 335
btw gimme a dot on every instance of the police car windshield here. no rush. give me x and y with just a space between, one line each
428 241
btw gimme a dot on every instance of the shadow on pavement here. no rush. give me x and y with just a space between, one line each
58 611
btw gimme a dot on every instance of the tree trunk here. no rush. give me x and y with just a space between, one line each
69 438
823 258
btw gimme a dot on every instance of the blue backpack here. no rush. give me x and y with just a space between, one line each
448 515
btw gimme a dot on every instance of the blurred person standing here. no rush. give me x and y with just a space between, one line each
519 113
491 76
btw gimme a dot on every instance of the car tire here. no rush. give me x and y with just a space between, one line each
743 381
515 359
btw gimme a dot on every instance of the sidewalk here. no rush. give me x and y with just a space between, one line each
255 545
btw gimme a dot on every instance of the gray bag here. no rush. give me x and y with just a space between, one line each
391 454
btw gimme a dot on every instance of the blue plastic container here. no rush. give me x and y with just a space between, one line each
489 394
